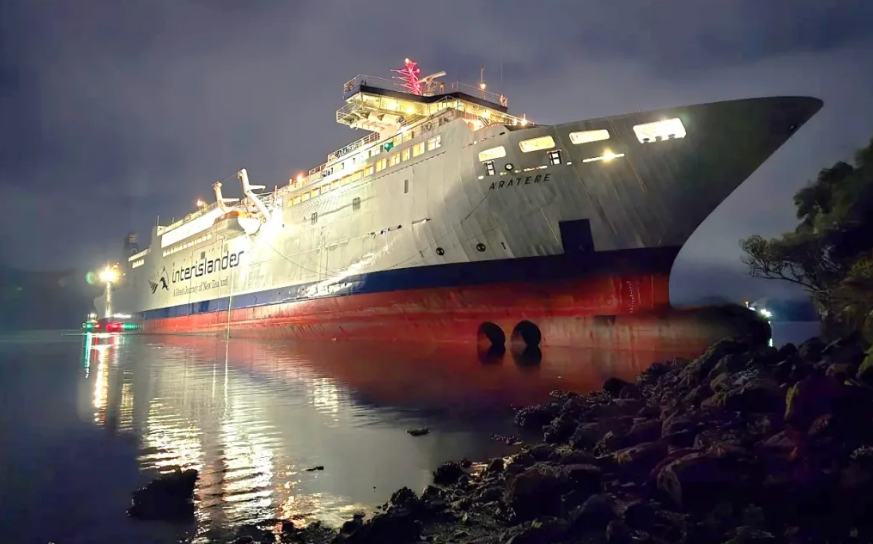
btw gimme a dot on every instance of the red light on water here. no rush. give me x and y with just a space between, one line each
113 327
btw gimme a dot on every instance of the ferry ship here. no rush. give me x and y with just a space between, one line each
454 220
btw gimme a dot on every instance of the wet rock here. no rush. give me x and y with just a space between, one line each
167 497
640 459
535 417
495 466
560 429
536 492
618 533
543 530
584 478
448 473
313 469
696 480
397 527
614 386
419 432
639 515
643 431
594 514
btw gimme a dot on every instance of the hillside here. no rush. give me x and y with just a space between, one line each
44 300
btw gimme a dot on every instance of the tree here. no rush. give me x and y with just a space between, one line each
830 253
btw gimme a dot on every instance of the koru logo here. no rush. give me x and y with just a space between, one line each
162 281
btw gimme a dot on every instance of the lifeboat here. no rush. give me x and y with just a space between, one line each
238 221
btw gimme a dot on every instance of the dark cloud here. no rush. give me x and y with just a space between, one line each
114 112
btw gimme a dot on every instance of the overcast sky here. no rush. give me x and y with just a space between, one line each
115 111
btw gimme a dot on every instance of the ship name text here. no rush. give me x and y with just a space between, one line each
208 266
518 182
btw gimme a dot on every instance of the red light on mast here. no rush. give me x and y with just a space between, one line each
409 76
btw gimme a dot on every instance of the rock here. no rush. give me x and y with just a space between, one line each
641 458
536 492
495 466
586 479
543 530
419 432
811 349
313 469
613 386
639 515
618 533
404 497
167 497
560 429
643 431
448 473
595 513
586 435
696 480
535 417
399 527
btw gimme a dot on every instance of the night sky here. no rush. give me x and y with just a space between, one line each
115 111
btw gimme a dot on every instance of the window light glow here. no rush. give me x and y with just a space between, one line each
588 136
536 144
493 153
667 129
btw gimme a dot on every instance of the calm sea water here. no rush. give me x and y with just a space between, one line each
85 420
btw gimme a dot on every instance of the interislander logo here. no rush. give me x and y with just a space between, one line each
204 266
162 281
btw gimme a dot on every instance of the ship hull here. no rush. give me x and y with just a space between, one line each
558 235
604 300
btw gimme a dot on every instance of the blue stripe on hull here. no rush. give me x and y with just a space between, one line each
531 269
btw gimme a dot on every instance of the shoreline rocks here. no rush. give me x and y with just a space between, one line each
745 444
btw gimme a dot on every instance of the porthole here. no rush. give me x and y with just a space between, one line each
480 247
440 251
509 166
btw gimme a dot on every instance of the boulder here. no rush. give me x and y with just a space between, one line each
536 492
167 497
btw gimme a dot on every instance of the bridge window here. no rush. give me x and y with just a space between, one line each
357 175
394 159
418 149
555 157
368 171
537 144
667 129
491 154
588 136
489 168
406 153
381 164
434 143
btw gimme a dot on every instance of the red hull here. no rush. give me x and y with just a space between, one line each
609 312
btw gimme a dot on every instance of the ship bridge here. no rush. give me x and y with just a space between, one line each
384 105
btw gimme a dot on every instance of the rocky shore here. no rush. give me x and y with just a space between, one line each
745 444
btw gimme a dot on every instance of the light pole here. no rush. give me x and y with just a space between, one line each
108 276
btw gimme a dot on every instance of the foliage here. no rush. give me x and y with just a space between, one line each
830 253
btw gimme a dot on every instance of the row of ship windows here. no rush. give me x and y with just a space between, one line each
668 129
392 160
137 263
193 242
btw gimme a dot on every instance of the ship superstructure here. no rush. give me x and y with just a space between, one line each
453 219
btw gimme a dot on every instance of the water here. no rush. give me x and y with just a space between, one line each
85 420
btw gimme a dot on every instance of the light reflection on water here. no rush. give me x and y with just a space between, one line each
252 416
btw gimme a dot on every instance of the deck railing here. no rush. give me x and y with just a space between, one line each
352 86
